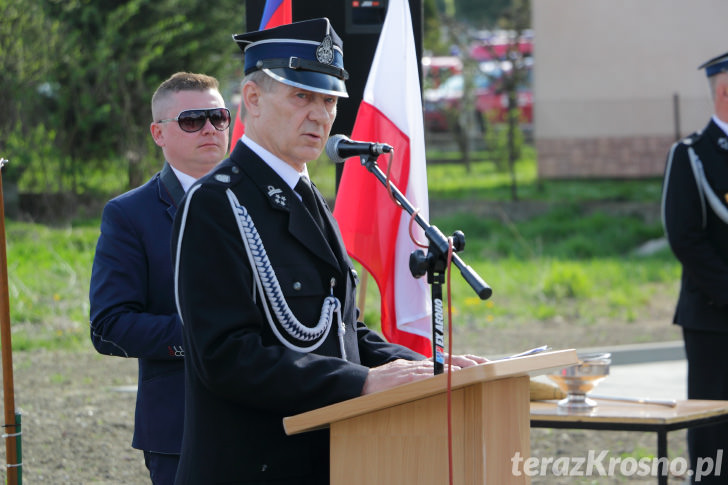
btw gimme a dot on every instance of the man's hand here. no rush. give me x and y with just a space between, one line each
463 361
402 371
395 373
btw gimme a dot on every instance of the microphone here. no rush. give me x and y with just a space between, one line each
340 147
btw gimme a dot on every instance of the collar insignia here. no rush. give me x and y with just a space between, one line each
723 143
325 51
275 194
223 177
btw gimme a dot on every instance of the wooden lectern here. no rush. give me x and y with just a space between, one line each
399 436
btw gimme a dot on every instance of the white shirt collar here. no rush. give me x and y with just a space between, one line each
722 124
289 174
185 180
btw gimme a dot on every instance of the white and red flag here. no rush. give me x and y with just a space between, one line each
275 13
375 230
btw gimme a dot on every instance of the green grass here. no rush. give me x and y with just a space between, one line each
538 270
48 279
571 260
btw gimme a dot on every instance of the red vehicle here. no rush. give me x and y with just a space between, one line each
491 102
437 69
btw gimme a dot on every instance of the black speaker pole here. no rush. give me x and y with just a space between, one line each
253 14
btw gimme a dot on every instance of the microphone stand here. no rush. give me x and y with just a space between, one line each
434 263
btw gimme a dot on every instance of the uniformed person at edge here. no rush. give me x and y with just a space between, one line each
695 217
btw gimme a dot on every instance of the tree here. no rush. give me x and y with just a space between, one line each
460 19
517 19
463 118
114 55
432 38
475 12
83 73
25 64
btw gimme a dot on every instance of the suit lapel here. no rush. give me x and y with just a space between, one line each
170 190
282 198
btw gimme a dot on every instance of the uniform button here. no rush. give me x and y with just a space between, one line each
297 285
235 169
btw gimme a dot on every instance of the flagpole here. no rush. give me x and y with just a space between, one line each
11 431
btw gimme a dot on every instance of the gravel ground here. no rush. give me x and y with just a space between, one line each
78 411
77 423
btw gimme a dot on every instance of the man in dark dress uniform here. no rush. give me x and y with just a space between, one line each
695 216
264 285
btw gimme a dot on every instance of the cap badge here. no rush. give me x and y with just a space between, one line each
325 51
275 194
723 143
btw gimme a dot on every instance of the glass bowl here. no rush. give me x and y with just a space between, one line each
578 379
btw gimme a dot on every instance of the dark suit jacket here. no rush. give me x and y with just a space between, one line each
241 380
133 312
696 235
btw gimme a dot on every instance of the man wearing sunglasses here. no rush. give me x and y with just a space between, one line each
133 312
263 282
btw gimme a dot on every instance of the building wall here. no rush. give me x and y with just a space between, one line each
615 82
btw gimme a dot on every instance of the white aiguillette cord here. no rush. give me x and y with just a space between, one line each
268 285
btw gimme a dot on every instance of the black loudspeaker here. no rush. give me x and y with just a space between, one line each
358 23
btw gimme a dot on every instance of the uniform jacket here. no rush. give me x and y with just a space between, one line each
696 235
133 312
241 380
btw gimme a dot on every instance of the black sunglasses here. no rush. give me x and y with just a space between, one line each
192 120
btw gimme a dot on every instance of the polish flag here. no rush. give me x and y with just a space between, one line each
375 230
275 13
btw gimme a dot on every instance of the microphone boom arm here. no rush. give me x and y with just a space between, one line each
432 233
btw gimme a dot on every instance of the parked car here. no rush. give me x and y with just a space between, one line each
491 102
436 69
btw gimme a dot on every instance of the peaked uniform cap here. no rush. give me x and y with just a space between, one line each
715 65
307 54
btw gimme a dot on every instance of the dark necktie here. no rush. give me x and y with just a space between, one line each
303 187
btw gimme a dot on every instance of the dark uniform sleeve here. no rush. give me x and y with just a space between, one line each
684 216
375 351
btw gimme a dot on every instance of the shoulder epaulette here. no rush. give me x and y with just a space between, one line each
692 138
225 174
